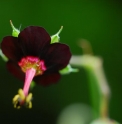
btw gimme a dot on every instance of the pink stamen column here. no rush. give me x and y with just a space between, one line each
30 73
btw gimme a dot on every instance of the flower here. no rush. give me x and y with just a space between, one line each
32 57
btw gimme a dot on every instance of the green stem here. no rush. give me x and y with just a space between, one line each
104 90
94 92
97 81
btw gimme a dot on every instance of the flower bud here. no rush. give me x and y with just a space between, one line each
55 38
15 31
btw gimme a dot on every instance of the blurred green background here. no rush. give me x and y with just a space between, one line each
99 21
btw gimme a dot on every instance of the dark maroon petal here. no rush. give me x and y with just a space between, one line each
47 79
15 70
10 47
57 56
33 39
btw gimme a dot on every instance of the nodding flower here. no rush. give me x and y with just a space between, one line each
32 56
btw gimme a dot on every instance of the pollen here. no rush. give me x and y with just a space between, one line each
32 62
20 99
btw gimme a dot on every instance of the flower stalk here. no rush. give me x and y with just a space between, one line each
97 78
